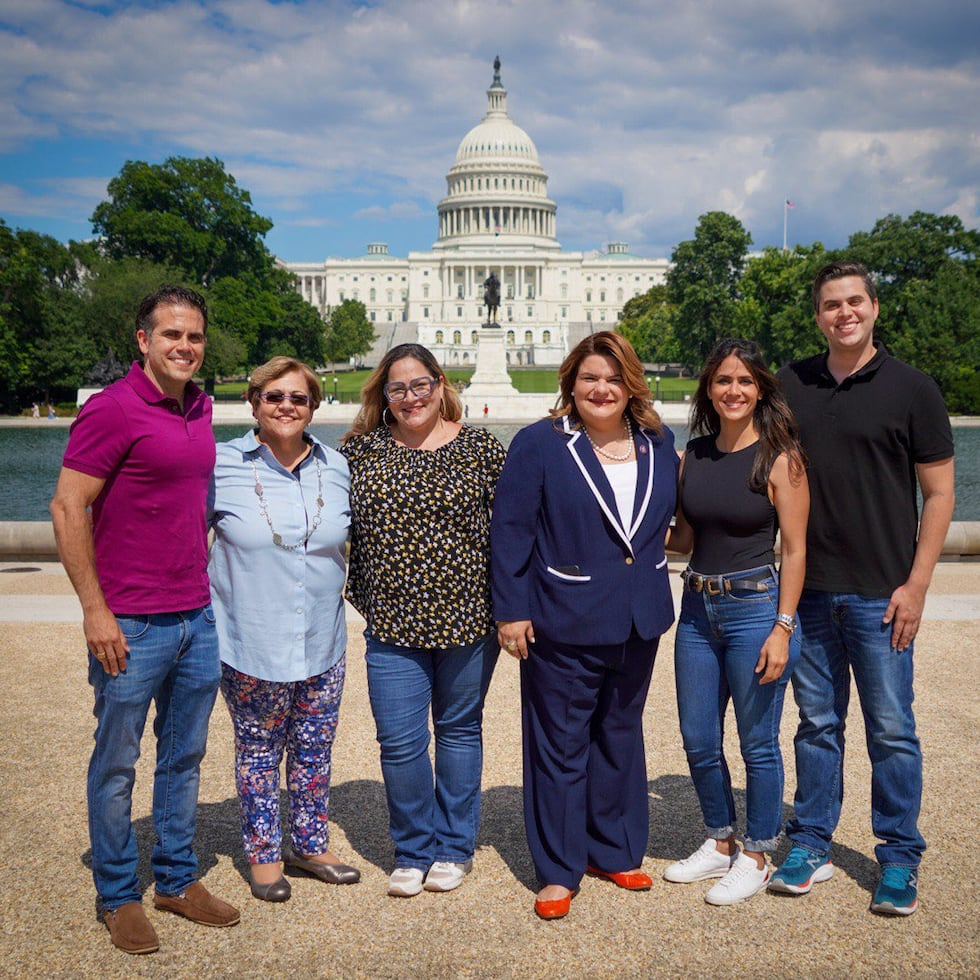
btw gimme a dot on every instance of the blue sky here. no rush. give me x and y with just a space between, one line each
342 119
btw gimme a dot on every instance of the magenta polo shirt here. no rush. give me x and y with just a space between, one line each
149 521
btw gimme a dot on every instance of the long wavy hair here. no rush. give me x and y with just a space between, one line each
606 342
374 402
778 432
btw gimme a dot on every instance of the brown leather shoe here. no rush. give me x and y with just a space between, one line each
130 929
198 905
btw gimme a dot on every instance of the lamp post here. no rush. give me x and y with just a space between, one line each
657 379
335 387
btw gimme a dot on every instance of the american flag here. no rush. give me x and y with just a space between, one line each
790 204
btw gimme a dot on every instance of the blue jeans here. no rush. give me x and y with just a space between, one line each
843 633
431 820
716 649
173 660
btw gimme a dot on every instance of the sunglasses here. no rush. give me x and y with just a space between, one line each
278 397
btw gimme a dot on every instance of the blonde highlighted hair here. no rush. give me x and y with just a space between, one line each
374 402
614 345
274 369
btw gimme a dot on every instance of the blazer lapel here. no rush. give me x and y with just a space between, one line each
591 470
644 479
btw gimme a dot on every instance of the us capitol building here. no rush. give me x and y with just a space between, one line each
496 218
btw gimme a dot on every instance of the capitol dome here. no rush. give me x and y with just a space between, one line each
497 188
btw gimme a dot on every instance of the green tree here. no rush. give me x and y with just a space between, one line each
35 270
349 332
647 323
186 213
775 306
927 273
702 284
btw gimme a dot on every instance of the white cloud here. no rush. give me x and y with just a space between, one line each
645 114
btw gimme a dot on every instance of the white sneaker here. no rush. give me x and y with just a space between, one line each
706 862
405 882
742 882
444 876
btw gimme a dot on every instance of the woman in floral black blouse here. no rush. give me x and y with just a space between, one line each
422 485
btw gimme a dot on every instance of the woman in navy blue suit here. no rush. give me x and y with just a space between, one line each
581 597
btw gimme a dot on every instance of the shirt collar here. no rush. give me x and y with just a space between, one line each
137 380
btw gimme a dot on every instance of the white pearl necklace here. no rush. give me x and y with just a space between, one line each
615 457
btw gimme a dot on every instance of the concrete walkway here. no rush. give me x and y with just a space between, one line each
49 927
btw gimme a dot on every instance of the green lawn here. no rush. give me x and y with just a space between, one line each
527 380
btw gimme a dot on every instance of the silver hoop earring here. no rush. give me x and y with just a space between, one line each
387 417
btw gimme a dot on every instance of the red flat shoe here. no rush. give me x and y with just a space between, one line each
554 908
635 881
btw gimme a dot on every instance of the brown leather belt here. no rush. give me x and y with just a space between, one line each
718 584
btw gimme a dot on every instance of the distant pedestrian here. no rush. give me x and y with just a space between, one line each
51 413
35 411
486 409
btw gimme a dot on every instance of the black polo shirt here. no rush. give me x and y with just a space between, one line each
863 438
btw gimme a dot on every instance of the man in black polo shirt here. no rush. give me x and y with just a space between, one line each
872 427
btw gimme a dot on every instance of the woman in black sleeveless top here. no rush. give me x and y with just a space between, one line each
736 637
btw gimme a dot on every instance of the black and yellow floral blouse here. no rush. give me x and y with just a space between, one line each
420 537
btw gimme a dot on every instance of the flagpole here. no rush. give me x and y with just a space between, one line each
785 210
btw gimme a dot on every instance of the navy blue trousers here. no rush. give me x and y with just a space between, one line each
585 778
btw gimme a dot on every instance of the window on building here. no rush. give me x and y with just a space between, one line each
474 337
588 296
373 295
372 316
425 291
602 296
528 337
602 315
564 312
459 312
425 312
619 295
510 337
439 334
459 291
389 316
391 295
564 290
530 311
546 336
341 296
457 337
588 316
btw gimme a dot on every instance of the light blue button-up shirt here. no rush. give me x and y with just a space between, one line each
279 613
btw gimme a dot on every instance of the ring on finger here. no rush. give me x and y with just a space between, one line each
511 645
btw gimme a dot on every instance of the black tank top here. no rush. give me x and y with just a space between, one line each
734 527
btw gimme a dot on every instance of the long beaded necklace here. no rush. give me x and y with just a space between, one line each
264 508
616 457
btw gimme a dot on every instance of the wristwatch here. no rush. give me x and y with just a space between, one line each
787 622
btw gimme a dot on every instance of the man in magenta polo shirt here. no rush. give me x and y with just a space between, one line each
140 455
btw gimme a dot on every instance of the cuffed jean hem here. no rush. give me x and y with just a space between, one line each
720 833
760 846
810 850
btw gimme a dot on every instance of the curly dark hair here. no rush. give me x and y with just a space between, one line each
778 432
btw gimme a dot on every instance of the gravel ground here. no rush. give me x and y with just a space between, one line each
487 927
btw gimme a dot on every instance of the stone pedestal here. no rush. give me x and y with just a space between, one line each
490 394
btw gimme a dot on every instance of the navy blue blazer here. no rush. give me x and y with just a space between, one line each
561 557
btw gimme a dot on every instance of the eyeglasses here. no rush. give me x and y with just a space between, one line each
395 391
278 397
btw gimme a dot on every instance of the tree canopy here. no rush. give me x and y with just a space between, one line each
349 331
702 284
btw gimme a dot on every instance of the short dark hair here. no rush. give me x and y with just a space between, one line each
169 295
840 270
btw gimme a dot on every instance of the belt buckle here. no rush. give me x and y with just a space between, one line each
695 582
711 587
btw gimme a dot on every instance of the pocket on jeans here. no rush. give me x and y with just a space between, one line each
208 613
133 627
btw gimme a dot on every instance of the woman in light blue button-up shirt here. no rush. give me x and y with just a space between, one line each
280 511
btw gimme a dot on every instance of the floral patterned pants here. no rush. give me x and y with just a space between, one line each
269 717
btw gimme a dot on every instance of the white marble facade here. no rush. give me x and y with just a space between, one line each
496 217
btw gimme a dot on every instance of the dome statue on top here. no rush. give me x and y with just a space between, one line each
497 188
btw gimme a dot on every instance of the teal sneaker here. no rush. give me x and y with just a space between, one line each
897 892
801 870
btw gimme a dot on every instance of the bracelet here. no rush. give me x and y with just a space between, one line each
787 622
